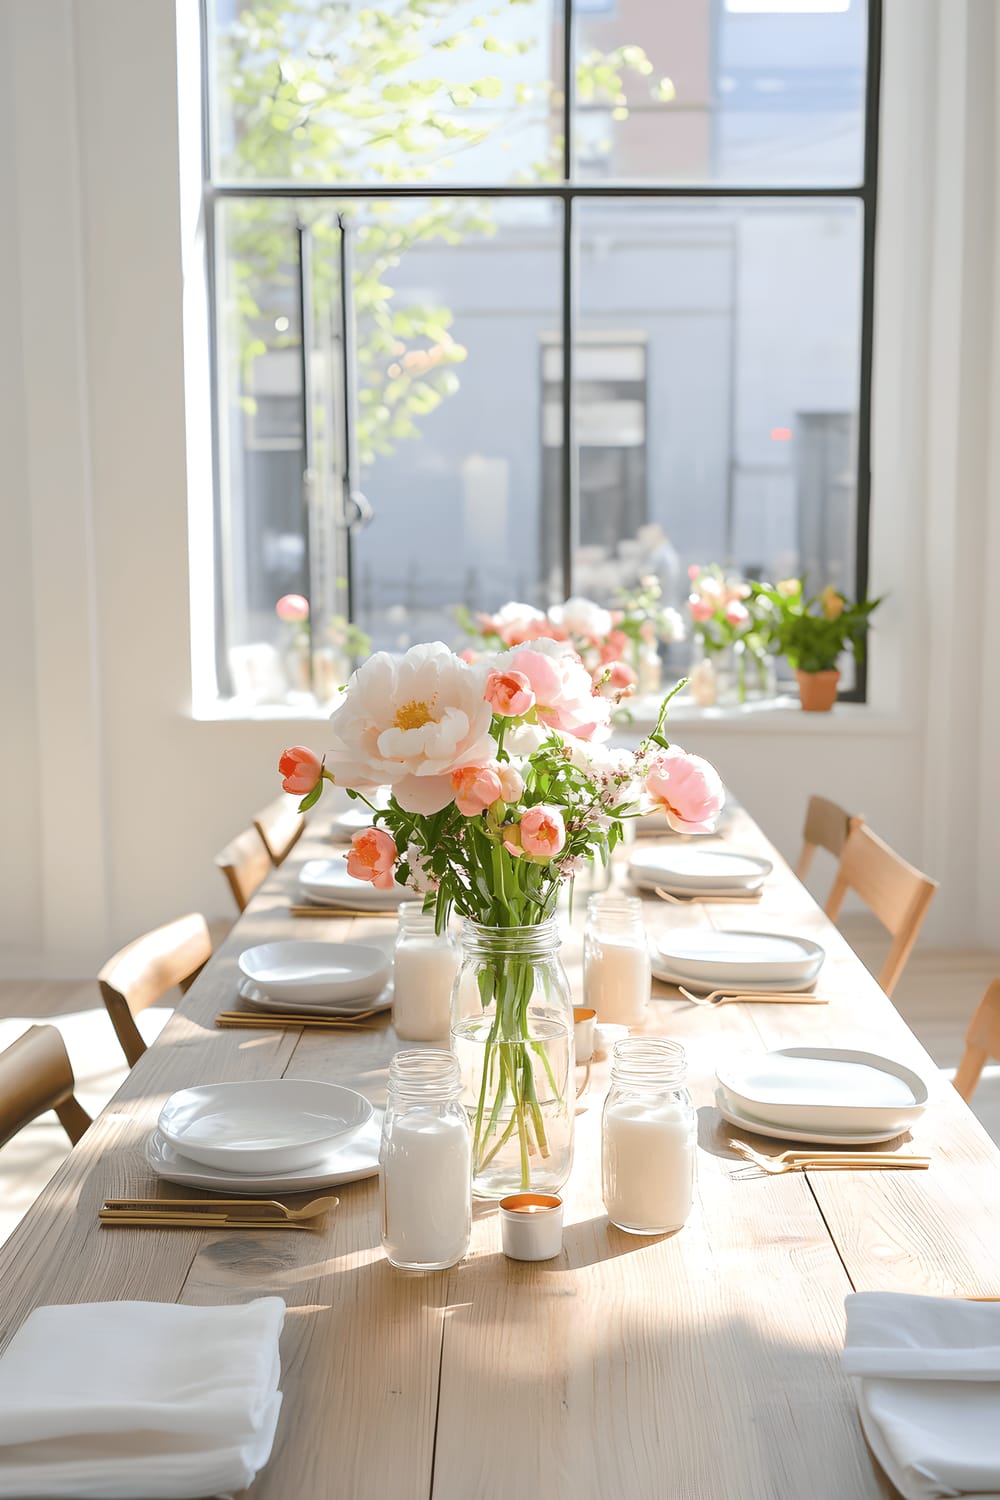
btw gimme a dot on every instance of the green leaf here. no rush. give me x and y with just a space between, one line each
311 798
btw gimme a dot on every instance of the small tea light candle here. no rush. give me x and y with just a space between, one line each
531 1226
583 1025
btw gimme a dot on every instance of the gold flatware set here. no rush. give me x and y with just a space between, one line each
829 1161
776 997
707 898
295 1021
213 1213
341 911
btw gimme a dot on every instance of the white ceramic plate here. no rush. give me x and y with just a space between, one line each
686 868
261 1125
732 957
745 986
825 1088
255 999
302 970
731 1112
327 883
345 1161
349 822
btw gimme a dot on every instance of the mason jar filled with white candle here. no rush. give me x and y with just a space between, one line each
649 1137
425 1163
617 977
425 963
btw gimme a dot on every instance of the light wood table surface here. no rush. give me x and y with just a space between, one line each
698 1366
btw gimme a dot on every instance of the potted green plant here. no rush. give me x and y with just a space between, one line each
812 633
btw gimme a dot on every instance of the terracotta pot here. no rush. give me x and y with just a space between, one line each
818 690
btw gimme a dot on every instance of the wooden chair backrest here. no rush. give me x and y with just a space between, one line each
280 825
982 1041
826 827
36 1075
141 974
896 892
245 863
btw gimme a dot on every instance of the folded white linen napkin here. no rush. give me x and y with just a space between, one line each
927 1374
129 1400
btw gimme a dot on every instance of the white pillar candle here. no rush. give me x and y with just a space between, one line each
617 979
424 970
426 1171
649 1164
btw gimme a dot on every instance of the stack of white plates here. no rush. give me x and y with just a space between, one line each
826 1095
357 815
332 979
746 961
687 871
325 882
264 1135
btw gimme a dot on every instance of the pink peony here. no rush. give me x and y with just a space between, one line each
300 769
476 788
693 571
616 680
688 789
468 655
373 857
701 609
737 614
543 831
292 608
564 694
509 694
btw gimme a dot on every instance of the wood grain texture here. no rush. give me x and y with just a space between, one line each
700 1366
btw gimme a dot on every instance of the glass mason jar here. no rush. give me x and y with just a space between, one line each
425 1163
649 1135
424 967
512 1032
617 975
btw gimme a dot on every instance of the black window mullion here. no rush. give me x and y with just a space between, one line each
568 497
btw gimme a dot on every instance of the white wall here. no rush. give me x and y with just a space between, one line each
112 799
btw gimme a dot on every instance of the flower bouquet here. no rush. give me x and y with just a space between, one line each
729 617
812 633
501 790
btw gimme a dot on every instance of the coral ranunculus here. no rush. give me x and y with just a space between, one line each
543 831
300 770
687 789
476 788
509 694
373 857
409 722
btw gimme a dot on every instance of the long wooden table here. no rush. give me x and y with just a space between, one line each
701 1366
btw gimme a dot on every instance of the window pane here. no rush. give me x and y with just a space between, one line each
721 91
405 92
453 306
716 389
450 350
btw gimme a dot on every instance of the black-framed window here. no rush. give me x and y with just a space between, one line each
525 302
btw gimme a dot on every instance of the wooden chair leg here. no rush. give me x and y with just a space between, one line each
969 1071
73 1118
805 860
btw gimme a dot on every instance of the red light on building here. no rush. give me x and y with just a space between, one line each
781 434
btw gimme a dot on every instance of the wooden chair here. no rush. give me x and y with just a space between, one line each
280 825
896 893
982 1041
142 973
826 827
244 862
36 1075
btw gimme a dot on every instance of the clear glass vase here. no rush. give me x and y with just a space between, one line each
512 1032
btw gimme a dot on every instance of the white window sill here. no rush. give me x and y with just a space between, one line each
772 716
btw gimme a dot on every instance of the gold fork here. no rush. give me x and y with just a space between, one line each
802 1161
727 997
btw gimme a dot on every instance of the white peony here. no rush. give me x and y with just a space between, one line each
410 722
582 617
